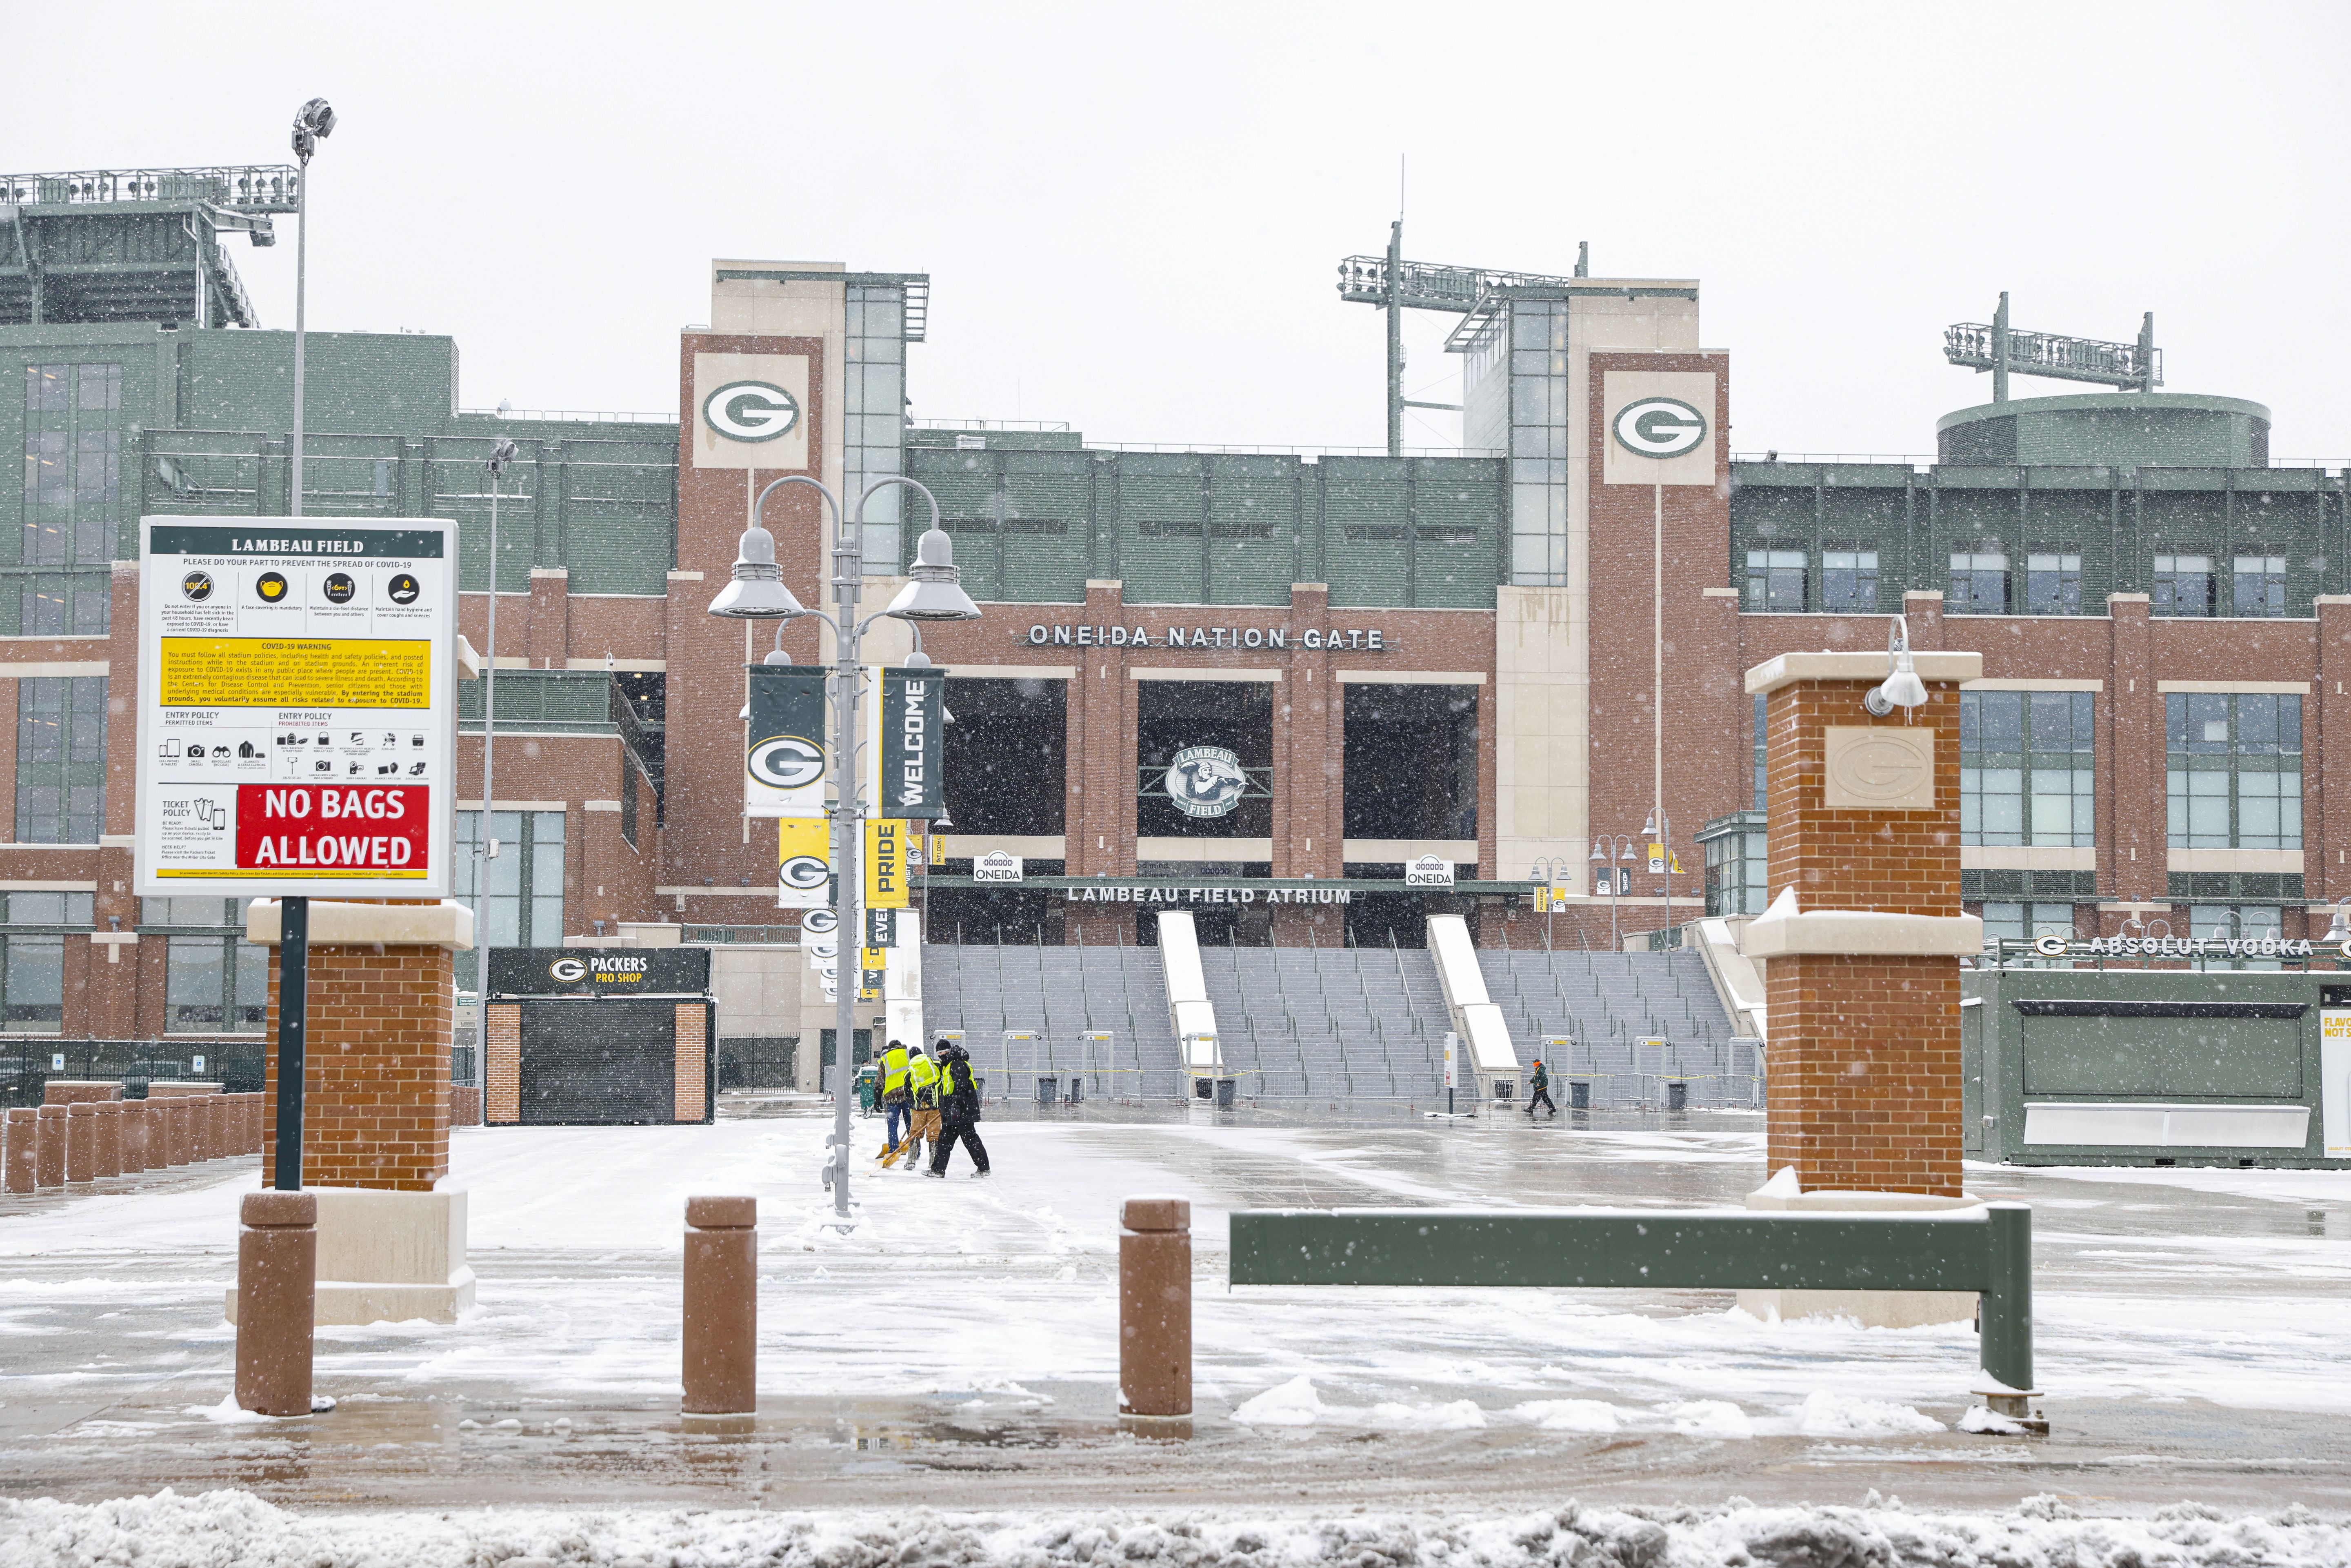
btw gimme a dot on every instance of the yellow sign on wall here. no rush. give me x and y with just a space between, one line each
886 863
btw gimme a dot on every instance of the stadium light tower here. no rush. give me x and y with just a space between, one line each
1999 349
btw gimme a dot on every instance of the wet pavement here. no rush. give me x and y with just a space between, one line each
959 1348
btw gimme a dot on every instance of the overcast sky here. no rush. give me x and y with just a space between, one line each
1132 216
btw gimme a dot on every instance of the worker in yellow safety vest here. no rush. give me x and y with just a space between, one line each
923 1078
897 1099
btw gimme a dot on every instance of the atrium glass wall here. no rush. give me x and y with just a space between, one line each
873 429
73 497
525 907
1176 718
1514 388
60 758
33 929
1411 762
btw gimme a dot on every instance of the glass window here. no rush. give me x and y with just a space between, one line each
1978 584
32 985
1849 579
873 432
213 985
2053 585
2028 768
1762 748
2182 585
525 886
2258 585
1738 864
73 468
1775 580
2234 770
60 760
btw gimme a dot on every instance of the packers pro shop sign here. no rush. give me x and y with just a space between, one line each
598 971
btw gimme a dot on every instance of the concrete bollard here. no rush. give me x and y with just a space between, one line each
176 1129
277 1290
49 1147
22 1149
81 1142
251 1105
1154 1310
722 1306
224 1127
109 1159
199 1132
135 1122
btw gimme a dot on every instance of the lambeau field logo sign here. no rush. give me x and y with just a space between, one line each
1659 427
751 411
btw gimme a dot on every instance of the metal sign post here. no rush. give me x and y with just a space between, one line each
293 1018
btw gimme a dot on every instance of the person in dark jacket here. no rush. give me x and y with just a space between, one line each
1540 1090
958 1110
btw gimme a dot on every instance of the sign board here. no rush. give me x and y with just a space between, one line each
783 741
2335 1082
1206 781
886 863
57 1061
598 971
996 867
881 929
297 708
196 1062
910 724
1452 1059
804 868
1430 870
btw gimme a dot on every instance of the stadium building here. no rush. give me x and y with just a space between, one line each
1500 657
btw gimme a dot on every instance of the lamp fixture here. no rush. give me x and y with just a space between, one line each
1901 687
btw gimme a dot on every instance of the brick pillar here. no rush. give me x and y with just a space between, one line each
693 1061
382 1010
502 1039
1862 974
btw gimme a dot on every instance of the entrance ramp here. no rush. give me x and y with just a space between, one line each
1604 1014
1058 996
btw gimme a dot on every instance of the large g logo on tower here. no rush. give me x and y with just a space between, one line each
751 411
1659 427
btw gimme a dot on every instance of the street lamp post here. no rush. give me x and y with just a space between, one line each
311 121
1622 846
501 453
1659 832
757 593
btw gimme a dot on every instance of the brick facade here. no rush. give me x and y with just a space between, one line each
1865 1081
375 1110
693 1060
504 1037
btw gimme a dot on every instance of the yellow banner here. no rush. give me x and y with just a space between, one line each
295 672
886 863
803 836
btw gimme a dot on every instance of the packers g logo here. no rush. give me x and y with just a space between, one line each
568 971
787 762
1659 427
751 411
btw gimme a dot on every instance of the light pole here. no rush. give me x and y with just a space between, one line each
1622 844
757 593
501 453
1659 832
311 121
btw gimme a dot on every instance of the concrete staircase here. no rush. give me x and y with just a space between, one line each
1329 1023
1607 1003
1056 995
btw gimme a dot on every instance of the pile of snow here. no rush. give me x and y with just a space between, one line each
1569 1414
1709 1418
171 1532
1826 1415
1296 1404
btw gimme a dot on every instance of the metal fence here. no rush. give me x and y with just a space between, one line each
27 1065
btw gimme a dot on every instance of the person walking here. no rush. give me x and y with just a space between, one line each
958 1111
897 1099
1540 1090
922 1077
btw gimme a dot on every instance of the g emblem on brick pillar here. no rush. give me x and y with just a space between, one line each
1879 767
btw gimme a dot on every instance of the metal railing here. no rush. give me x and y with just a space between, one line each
572 415
2052 354
246 187
28 1063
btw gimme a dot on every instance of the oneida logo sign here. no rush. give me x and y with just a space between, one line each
1659 427
751 411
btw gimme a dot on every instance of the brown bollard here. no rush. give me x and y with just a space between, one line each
110 1139
22 1149
135 1122
1154 1311
224 1127
49 1147
250 1104
200 1130
722 1306
81 1142
176 1109
277 1289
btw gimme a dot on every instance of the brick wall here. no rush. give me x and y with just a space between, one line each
1864 1057
504 1062
693 1060
376 1089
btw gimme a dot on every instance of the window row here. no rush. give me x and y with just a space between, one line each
1985 582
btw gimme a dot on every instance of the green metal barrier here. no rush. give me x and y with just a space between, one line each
1988 1250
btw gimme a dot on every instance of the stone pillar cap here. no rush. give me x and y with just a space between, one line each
447 924
1157 1214
275 1210
722 1213
1789 668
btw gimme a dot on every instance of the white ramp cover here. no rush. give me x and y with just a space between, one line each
1475 1016
1189 1011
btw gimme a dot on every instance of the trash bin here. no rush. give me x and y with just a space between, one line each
1579 1096
1048 1090
1077 1088
1677 1096
868 1089
1226 1089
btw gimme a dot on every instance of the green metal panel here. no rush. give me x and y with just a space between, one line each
1162 527
1366 512
1987 1250
1046 531
1457 508
2163 1058
356 382
564 701
1253 528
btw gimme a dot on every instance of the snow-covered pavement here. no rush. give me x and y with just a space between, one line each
2190 1324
